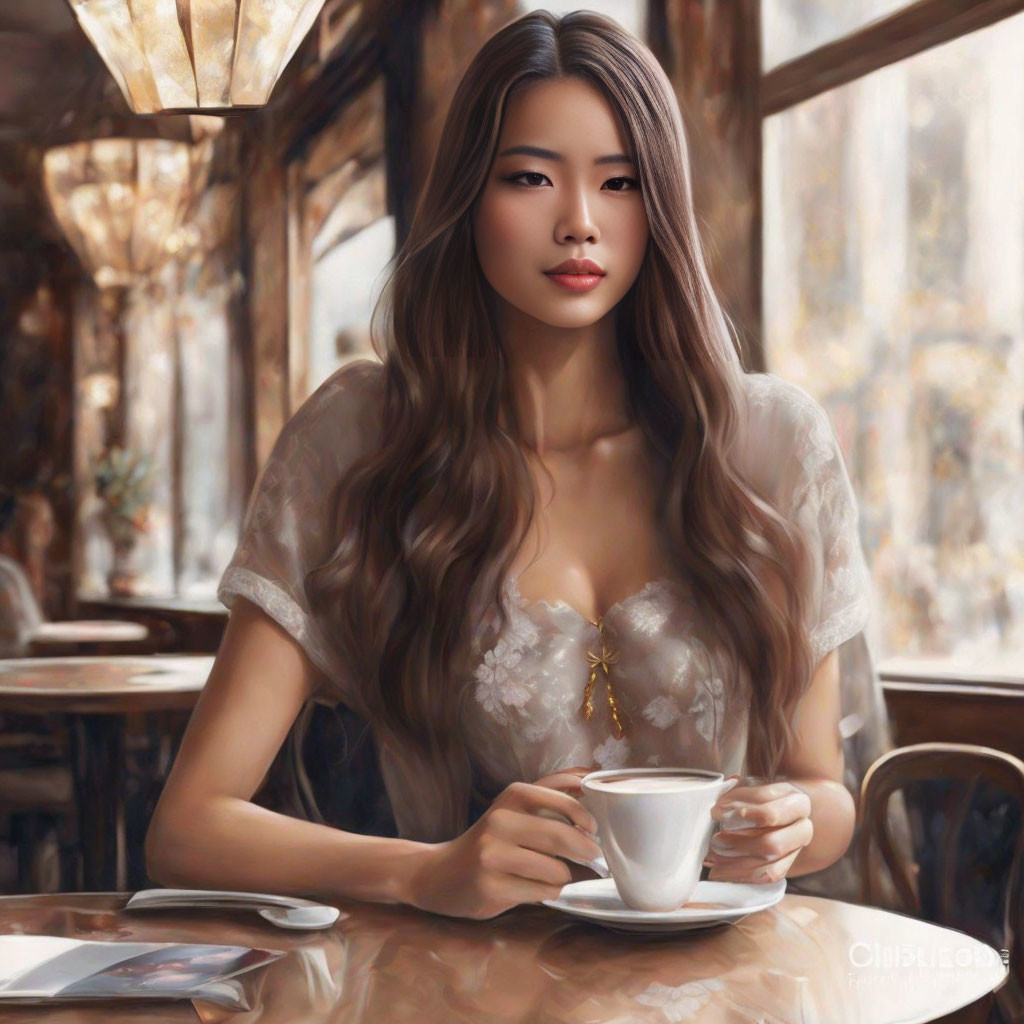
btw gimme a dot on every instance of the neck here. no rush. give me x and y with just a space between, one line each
567 383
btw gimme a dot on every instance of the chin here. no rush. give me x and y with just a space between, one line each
569 319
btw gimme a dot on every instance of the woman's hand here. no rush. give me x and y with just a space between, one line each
510 855
568 780
763 829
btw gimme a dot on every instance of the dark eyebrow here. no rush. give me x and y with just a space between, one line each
548 154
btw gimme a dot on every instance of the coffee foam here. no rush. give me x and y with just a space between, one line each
651 783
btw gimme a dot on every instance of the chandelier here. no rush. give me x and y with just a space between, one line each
118 201
182 55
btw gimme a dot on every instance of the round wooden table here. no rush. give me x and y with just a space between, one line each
806 959
95 693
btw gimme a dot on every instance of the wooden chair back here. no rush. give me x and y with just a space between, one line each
954 762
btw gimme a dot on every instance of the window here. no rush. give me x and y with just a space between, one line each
183 397
790 28
346 278
340 240
893 261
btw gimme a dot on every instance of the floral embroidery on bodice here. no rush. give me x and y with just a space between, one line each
525 719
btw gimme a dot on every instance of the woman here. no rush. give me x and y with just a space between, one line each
558 529
26 529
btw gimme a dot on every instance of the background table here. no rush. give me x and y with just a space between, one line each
806 959
87 636
177 624
95 694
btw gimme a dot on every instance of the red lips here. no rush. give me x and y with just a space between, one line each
576 267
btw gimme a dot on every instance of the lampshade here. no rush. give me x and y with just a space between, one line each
180 55
118 200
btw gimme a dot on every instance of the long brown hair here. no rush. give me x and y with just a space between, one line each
428 523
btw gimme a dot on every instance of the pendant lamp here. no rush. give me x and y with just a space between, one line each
118 201
193 55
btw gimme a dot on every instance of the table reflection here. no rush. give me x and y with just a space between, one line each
391 963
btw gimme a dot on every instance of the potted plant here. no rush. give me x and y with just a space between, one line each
124 485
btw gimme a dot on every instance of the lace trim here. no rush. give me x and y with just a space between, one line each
643 595
839 627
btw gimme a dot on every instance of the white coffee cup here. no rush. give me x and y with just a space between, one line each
654 834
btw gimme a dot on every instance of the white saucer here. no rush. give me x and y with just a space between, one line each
598 900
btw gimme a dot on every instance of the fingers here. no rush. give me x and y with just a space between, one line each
565 778
500 892
762 830
526 797
755 846
760 811
749 790
748 871
522 891
554 838
567 782
506 858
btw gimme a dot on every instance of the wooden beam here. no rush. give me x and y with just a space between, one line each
178 511
939 672
343 80
914 29
711 52
421 84
265 263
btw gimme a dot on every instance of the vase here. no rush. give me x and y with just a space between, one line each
123 535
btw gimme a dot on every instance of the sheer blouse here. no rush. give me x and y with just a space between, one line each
521 704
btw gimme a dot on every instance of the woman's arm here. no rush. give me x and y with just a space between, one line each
799 825
206 832
814 763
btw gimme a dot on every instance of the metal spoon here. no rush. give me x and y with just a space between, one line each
318 916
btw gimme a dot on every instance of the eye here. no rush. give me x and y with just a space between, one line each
631 183
526 174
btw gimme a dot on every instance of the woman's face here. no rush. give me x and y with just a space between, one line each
538 209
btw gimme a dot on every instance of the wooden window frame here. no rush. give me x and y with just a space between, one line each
913 29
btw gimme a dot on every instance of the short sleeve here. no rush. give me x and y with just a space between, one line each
289 521
794 451
793 455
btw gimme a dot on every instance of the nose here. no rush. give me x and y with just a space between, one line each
576 223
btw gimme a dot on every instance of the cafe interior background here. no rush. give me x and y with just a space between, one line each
184 259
